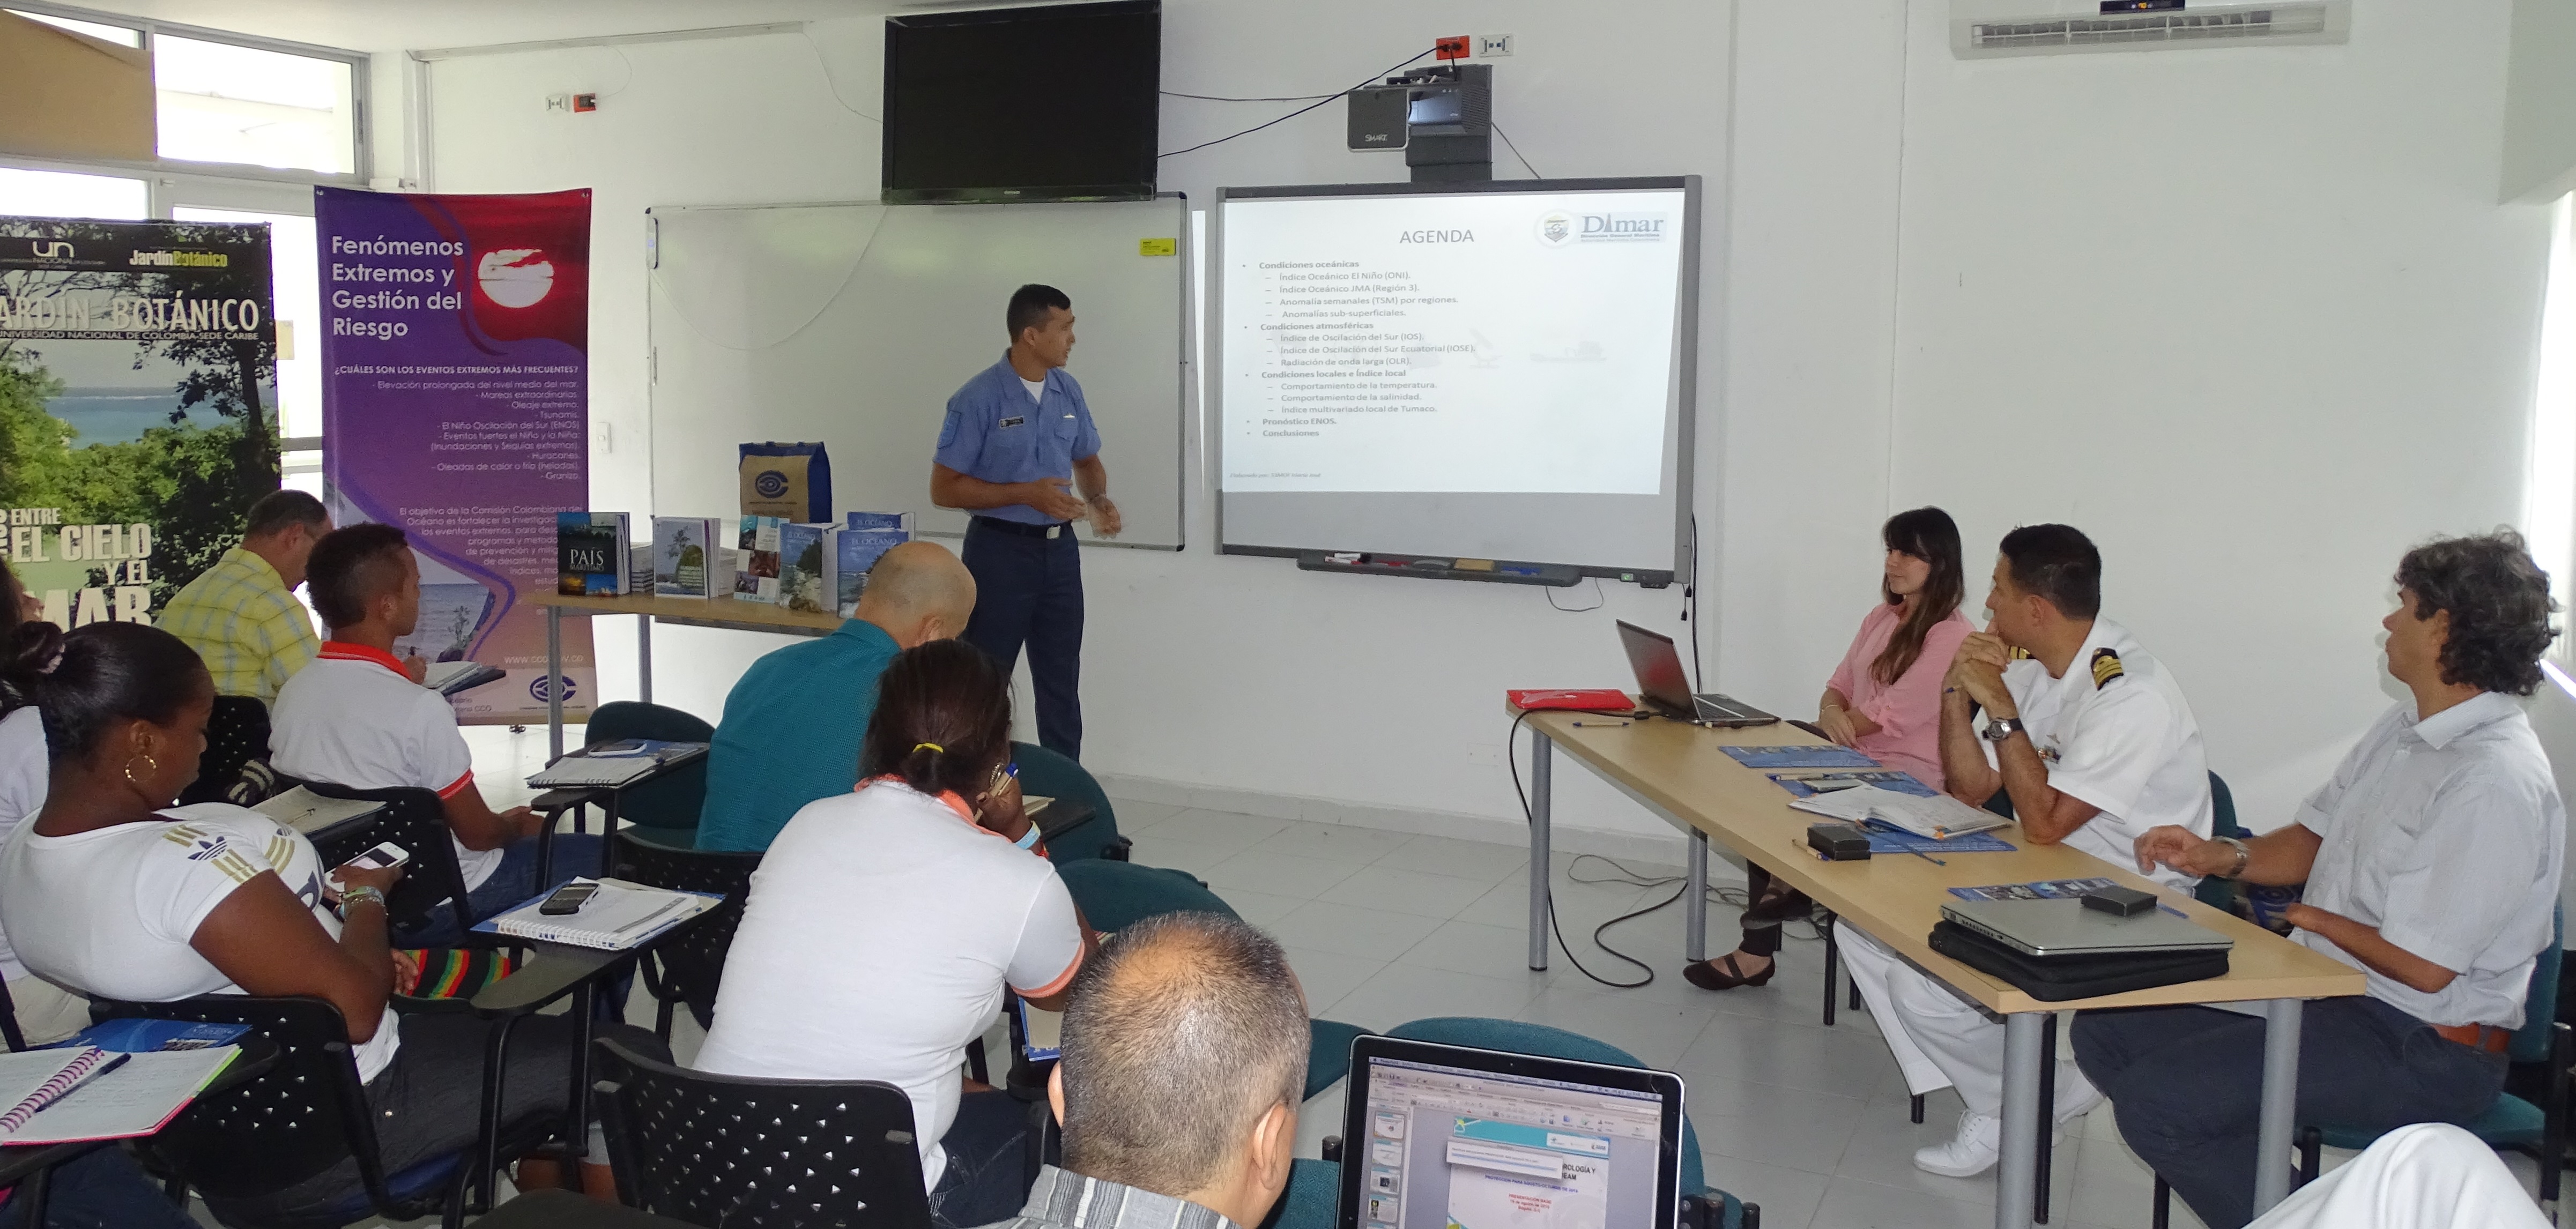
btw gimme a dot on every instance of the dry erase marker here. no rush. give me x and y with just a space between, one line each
1603 725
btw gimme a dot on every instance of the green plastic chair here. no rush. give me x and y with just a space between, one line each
668 804
1516 1037
1052 774
1116 895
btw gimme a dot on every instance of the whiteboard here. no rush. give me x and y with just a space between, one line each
853 323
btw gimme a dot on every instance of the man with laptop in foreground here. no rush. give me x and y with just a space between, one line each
2092 740
2431 859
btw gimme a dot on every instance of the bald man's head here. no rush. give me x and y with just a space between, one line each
1182 1034
918 592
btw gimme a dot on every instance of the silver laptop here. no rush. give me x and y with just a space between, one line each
1439 1136
2068 928
1667 690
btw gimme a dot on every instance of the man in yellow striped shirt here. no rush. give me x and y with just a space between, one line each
241 614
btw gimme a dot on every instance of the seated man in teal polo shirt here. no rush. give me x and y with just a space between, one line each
792 725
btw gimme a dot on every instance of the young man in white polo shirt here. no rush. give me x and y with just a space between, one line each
355 718
2431 859
2093 742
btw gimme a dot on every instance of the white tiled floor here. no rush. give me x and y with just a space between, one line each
1810 1122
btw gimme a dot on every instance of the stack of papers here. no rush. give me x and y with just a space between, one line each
620 915
1940 817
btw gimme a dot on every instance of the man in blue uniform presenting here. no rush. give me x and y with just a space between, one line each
1019 451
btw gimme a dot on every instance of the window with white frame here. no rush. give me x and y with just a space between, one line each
240 100
2549 485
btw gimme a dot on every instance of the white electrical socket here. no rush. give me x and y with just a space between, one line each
1493 45
559 102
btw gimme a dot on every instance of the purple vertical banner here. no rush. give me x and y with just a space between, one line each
456 385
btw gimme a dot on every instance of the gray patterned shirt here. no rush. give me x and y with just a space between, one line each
1066 1200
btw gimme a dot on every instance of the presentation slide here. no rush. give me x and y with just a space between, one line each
1498 371
1516 342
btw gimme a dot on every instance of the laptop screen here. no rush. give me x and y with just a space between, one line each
1451 1147
1658 665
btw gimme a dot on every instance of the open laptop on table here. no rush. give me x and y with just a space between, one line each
1666 689
1438 1136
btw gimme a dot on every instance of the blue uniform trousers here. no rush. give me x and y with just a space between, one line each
1029 591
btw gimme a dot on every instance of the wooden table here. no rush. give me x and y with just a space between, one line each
722 612
1676 770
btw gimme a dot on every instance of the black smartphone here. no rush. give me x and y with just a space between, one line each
568 899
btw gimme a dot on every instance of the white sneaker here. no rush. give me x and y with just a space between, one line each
1979 1145
1980 1142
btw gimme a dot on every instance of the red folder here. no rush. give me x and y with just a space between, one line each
1588 699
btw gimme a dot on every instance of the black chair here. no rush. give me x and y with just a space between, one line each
236 736
742 1153
690 965
308 1113
416 820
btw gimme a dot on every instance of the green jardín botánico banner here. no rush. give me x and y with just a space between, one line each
138 406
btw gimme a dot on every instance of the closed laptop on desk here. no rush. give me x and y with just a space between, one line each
2067 928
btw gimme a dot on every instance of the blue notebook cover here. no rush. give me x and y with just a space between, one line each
1827 756
141 1035
1885 837
1805 785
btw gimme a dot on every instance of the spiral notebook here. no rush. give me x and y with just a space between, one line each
68 1095
620 915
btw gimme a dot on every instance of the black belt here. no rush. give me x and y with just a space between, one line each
1060 529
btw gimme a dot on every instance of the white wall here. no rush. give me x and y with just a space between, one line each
2250 316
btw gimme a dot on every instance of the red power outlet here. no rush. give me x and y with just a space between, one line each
585 102
1453 47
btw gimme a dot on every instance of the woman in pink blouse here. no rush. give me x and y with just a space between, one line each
1883 701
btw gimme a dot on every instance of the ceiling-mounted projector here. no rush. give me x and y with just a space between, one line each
1441 117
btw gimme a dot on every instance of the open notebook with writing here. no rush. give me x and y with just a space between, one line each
63 1095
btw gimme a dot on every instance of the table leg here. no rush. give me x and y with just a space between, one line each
577 1145
554 683
1542 780
644 656
2044 1145
2024 1119
2279 1115
1695 901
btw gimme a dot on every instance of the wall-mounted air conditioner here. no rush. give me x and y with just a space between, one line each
2235 25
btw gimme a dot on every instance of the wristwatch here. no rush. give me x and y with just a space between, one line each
357 896
2001 728
2243 856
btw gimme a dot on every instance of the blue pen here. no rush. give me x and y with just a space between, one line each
86 1080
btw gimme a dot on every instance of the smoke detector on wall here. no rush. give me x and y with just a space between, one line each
1976 34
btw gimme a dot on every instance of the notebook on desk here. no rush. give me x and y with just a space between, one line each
618 916
68 1095
609 765
308 812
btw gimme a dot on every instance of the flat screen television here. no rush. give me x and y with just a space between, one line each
1046 103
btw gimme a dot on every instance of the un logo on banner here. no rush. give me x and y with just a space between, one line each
771 484
537 687
56 250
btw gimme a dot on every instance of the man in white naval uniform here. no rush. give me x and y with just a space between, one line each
2094 743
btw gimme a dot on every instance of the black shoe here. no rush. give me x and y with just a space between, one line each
1723 974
